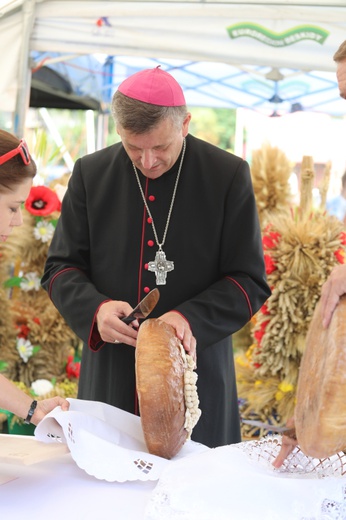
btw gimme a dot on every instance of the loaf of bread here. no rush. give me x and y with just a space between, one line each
320 415
163 377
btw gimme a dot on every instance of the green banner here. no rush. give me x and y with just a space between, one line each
283 39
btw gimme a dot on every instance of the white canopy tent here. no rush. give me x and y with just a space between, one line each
272 41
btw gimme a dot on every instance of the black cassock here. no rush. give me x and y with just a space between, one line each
103 244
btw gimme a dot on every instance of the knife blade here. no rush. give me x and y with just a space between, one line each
144 308
285 430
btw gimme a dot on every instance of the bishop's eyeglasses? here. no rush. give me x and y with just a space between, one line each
22 149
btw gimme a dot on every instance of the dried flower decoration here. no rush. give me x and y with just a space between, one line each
72 368
25 349
41 387
27 282
301 246
44 231
30 282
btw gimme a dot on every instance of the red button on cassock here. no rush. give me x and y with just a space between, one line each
150 243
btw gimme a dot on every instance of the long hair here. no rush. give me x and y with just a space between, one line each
13 171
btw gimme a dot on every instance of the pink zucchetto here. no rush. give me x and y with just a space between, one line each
153 86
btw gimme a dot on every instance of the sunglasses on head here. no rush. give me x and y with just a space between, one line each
22 150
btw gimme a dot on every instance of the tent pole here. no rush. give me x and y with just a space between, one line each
54 132
239 133
24 70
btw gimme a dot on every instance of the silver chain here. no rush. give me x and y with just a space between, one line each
172 201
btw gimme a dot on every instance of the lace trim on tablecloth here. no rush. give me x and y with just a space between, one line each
262 453
296 465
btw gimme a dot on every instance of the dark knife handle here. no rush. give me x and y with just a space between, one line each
131 317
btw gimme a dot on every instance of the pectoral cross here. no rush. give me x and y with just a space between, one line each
160 266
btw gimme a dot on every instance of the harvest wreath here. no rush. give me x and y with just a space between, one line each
300 249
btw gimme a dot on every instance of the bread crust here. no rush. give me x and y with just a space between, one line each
160 388
320 415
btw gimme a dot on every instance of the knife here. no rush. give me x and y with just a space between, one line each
285 430
144 308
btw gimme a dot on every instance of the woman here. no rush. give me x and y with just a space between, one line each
17 170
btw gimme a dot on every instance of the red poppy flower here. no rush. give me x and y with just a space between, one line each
340 256
343 238
264 309
259 333
270 240
42 201
269 264
23 331
72 368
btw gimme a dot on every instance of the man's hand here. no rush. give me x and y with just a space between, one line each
110 326
332 290
287 446
183 331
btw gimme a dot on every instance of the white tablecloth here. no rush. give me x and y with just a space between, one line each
86 479
98 478
58 490
238 482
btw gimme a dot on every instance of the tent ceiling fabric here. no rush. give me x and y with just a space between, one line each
195 31
204 83
215 63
